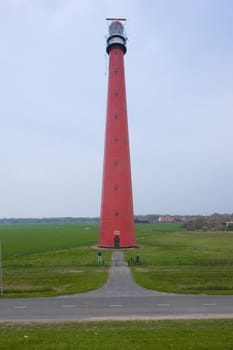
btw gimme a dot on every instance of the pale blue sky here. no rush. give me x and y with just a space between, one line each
179 75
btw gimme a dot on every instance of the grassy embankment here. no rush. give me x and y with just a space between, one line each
162 335
174 260
51 259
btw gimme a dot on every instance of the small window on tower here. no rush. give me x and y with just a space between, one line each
116 138
116 162
116 71
116 213
116 93
116 187
116 52
116 115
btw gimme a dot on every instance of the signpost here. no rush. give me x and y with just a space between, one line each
100 257
1 281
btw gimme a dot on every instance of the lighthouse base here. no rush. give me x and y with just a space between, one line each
114 247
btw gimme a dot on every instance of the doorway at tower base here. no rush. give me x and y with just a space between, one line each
115 242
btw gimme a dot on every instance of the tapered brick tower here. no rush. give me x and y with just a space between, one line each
117 220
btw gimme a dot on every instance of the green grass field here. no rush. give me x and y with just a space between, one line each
51 259
137 335
174 260
57 259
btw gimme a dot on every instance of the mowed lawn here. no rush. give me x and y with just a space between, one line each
128 335
51 259
174 260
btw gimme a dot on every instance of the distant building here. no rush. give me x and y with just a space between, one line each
229 225
167 219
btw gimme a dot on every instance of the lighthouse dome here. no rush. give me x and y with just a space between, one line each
116 28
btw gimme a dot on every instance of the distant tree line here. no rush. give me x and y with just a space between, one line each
215 222
46 220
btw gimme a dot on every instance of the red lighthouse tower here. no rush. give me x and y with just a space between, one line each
117 220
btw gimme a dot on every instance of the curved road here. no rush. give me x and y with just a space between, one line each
119 299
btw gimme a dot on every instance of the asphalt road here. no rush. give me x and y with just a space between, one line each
119 299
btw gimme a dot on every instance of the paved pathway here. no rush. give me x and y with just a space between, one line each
120 282
119 299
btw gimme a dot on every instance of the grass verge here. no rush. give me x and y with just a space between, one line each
182 335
